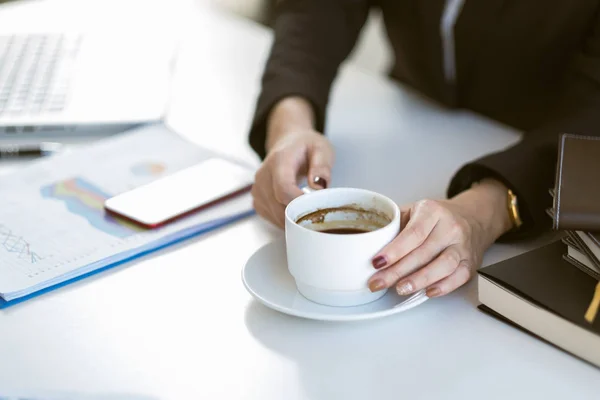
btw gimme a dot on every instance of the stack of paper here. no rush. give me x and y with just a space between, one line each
53 227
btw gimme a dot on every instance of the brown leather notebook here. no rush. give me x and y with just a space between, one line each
577 192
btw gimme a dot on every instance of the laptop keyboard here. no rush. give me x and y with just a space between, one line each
35 72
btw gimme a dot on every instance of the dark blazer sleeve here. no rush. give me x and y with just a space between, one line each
312 38
528 168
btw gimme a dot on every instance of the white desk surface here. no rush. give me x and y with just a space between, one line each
179 324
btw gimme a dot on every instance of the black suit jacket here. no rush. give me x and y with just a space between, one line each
531 64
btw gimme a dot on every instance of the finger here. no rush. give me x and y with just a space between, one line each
285 187
263 210
277 212
454 281
320 163
441 267
415 260
423 219
404 217
257 196
274 210
263 199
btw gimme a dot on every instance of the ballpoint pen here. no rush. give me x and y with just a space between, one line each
8 151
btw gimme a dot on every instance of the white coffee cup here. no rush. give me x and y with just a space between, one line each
334 269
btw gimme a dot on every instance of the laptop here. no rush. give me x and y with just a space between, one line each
71 86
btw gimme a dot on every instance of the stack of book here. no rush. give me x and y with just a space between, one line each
553 292
584 251
576 209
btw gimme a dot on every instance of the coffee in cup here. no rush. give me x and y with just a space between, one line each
331 238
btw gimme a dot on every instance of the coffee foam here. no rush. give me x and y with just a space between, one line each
349 216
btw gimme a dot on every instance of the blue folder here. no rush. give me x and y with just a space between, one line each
130 255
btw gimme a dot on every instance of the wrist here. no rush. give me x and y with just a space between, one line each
487 203
289 115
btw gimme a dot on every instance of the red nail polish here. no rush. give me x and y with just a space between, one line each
379 262
320 181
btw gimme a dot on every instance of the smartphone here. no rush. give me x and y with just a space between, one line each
184 192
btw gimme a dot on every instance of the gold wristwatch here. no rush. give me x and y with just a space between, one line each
513 210
512 206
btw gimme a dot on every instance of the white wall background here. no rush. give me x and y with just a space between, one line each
372 51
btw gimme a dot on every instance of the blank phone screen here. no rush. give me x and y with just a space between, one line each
184 191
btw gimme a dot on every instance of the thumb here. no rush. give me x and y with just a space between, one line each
320 162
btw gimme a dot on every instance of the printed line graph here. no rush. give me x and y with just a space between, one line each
16 244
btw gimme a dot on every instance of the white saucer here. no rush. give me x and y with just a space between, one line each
267 278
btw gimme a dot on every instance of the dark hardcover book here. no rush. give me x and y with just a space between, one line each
568 240
582 266
576 192
595 238
545 295
583 249
580 255
485 309
590 244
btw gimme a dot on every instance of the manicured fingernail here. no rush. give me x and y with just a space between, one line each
320 182
405 288
433 292
379 262
376 285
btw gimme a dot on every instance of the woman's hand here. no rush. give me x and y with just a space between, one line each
294 150
442 242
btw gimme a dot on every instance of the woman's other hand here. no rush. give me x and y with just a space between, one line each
294 150
442 242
